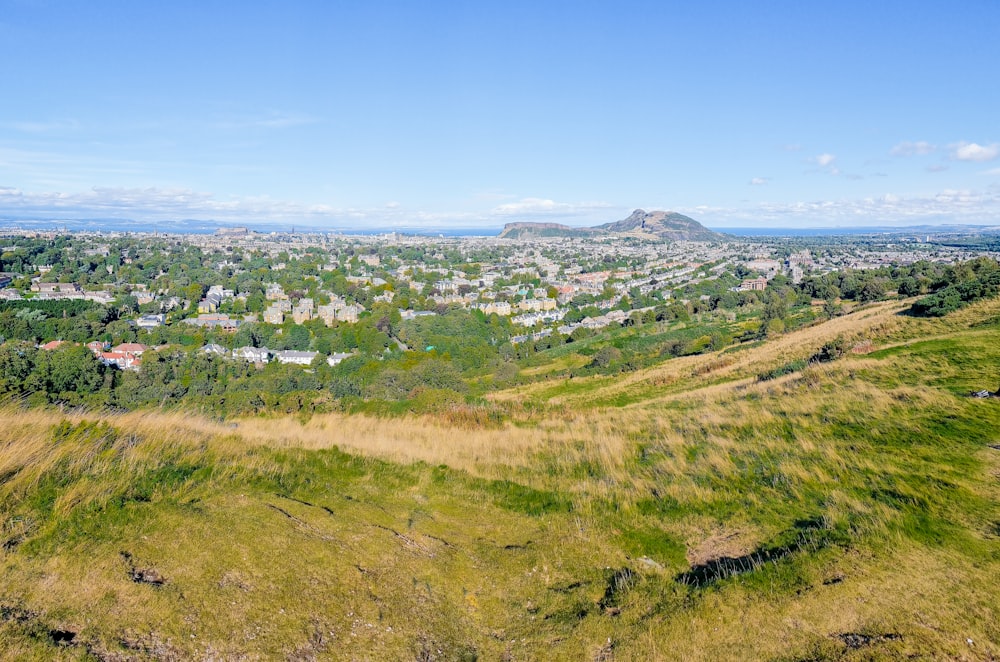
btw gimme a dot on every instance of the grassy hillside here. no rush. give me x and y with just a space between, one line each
848 509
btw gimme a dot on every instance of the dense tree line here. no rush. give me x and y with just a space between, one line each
959 286
433 360
69 373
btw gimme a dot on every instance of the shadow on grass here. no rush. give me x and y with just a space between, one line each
806 535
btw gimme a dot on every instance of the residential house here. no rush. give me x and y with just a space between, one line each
295 357
275 292
544 333
414 314
327 313
253 354
349 313
150 321
55 288
758 284
273 315
767 267
336 358
221 292
216 321
537 304
121 360
103 298
171 302
543 317
133 348
499 307
212 348
210 303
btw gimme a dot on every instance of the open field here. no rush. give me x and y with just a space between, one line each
846 510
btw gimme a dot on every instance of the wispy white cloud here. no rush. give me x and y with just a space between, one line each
39 169
759 181
37 126
965 151
24 158
543 207
151 203
273 120
827 163
823 160
946 206
162 204
49 169
907 148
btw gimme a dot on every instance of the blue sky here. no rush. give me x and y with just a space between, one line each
404 114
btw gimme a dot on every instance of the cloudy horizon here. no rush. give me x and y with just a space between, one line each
460 116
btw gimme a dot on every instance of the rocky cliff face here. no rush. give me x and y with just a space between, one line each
664 225
527 230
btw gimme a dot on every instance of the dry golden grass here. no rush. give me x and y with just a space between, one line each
603 436
383 560
877 321
865 598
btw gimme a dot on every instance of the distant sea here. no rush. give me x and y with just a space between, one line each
209 227
835 232
804 232
195 226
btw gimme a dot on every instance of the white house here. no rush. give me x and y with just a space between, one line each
336 358
212 348
253 354
296 357
151 321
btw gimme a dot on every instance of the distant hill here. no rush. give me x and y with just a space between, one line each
529 230
662 225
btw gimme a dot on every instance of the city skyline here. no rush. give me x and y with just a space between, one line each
399 115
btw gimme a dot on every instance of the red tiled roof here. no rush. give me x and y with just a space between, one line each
130 347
